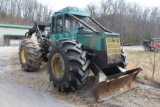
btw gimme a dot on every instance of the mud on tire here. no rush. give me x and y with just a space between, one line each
31 58
75 65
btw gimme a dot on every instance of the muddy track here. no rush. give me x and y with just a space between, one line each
142 96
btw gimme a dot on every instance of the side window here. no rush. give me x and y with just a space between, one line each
59 26
71 24
67 25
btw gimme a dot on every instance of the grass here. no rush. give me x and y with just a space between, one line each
140 59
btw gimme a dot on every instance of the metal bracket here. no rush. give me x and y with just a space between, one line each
121 69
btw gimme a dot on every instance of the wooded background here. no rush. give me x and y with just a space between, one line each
23 12
131 20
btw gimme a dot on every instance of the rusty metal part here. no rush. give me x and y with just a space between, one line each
109 86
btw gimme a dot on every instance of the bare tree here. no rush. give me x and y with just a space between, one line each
23 11
128 19
92 9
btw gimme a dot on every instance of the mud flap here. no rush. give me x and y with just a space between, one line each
109 86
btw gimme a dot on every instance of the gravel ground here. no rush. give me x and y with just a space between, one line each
13 95
10 71
12 90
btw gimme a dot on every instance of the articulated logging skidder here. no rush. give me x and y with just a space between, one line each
73 48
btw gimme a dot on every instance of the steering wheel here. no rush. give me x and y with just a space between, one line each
80 28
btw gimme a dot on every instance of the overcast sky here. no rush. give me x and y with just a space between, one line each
59 4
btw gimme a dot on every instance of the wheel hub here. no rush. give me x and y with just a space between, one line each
58 66
23 58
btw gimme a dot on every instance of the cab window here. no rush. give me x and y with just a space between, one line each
71 24
59 26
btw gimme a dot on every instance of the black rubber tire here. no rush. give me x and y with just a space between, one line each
33 55
75 62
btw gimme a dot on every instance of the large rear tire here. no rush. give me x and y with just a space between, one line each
67 65
30 55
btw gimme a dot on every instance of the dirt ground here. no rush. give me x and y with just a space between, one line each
140 58
142 96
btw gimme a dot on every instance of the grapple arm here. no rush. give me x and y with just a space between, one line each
38 26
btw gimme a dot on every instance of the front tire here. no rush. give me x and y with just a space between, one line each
30 55
67 65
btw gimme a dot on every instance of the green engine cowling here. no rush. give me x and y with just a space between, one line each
106 47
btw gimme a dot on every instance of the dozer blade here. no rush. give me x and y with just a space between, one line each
109 86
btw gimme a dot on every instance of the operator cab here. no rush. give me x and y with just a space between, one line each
73 19
63 22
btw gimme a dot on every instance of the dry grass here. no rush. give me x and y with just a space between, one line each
140 59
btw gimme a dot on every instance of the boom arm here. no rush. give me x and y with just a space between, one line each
38 26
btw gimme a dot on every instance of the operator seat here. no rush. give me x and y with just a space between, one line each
59 26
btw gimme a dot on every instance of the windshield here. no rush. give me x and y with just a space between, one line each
91 22
80 22
71 24
88 21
